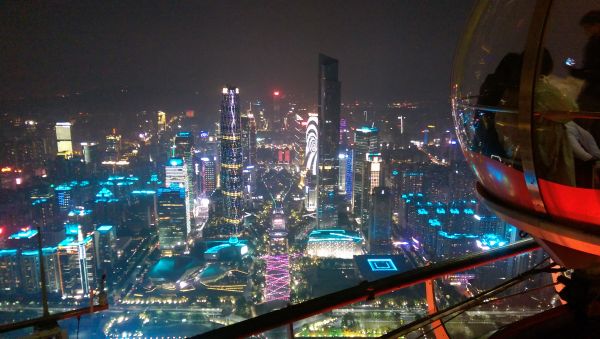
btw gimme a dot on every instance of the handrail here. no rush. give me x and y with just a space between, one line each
52 318
366 291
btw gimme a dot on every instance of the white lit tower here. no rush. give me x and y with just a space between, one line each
183 147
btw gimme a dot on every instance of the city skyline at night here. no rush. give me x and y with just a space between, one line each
298 169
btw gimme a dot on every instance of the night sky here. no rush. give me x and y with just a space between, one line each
387 49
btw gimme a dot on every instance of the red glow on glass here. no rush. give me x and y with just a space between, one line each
276 93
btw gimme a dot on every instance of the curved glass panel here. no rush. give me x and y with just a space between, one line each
486 91
567 111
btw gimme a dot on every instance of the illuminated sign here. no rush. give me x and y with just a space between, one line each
382 265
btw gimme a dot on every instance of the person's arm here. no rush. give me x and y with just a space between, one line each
578 151
590 143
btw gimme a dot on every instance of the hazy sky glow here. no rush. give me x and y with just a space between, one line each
387 49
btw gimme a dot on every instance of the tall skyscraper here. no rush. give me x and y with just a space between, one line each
231 156
64 144
104 240
172 229
209 177
249 155
329 140
366 140
78 266
380 221
248 128
183 145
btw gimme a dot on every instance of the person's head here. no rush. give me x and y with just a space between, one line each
591 23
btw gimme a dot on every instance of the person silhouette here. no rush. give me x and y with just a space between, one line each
589 97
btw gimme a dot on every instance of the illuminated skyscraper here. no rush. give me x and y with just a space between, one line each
162 121
113 147
231 156
30 270
184 143
175 173
172 229
329 140
77 264
9 271
104 240
208 173
249 153
248 139
64 145
366 140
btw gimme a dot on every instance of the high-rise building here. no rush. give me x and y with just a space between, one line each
184 143
249 155
379 235
90 152
248 139
161 121
171 224
64 144
329 140
30 270
311 160
175 173
366 140
112 147
104 240
9 271
209 177
77 264
231 156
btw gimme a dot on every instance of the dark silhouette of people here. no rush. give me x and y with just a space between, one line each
589 97
499 89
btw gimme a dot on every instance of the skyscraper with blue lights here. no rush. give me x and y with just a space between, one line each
231 156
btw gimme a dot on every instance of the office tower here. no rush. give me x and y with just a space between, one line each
208 173
379 235
248 128
104 243
366 140
329 139
9 271
43 208
349 175
277 114
77 264
184 143
231 156
257 108
342 172
175 173
112 150
311 160
171 224
30 270
248 138
161 121
64 145
90 152
375 171
63 194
